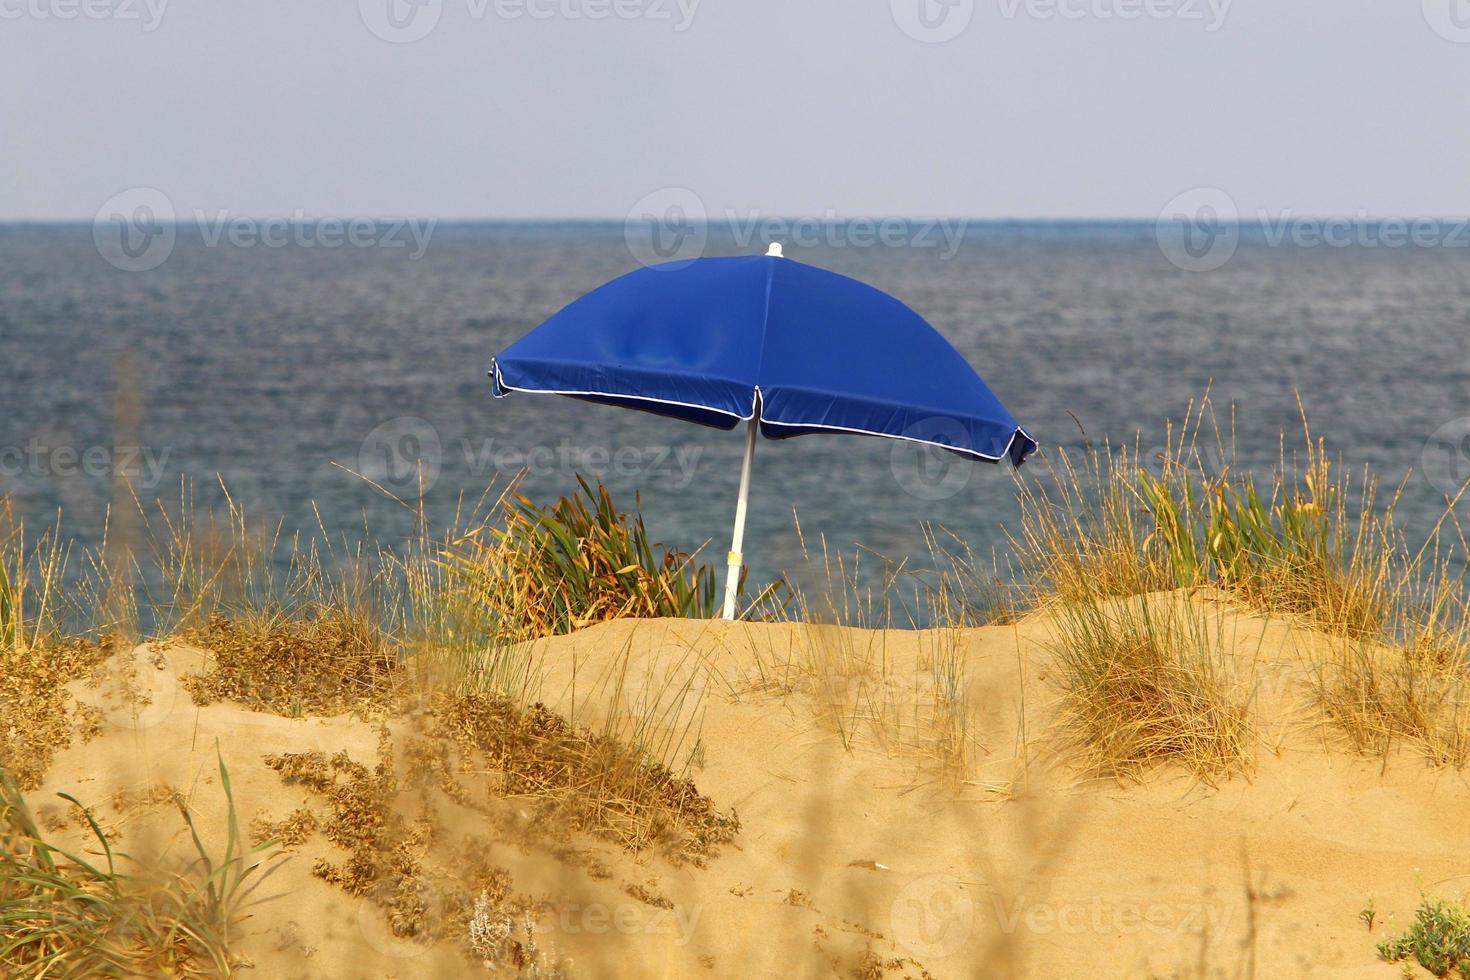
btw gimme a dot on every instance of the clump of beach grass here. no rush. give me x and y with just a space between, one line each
1309 543
1149 681
1412 691
1313 544
63 915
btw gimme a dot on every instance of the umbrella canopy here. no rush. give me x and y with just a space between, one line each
789 348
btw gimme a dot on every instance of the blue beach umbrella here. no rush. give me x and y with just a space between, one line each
787 348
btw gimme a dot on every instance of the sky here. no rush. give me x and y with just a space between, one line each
583 108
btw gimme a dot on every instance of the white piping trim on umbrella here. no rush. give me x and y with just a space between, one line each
890 435
500 383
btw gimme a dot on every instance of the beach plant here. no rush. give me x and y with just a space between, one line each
7 611
34 602
1438 939
1413 692
1150 680
1082 533
547 570
1308 543
62 915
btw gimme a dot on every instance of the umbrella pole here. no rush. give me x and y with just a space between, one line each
735 559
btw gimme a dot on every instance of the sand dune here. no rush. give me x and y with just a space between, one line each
864 850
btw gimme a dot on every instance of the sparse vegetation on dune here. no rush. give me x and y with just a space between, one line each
1150 680
1310 545
1129 562
325 663
63 915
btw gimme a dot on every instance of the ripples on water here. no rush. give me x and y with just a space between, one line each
267 365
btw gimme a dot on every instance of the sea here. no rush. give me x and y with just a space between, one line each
335 387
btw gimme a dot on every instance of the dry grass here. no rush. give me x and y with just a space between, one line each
1151 681
38 714
1311 543
576 780
332 662
1082 533
1414 692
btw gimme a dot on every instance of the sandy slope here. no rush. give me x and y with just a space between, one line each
1025 870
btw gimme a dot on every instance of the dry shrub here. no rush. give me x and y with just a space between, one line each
36 716
334 661
289 832
36 661
580 781
399 855
388 853
1148 681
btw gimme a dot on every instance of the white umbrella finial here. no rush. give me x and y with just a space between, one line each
775 250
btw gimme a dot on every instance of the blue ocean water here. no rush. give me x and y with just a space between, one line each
297 373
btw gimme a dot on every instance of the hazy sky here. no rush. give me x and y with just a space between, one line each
543 108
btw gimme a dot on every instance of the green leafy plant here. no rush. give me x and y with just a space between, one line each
547 570
1438 939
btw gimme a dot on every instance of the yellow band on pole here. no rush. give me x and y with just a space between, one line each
734 558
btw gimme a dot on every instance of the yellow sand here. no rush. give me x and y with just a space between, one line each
1025 869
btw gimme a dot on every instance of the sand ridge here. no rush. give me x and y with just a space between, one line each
855 853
